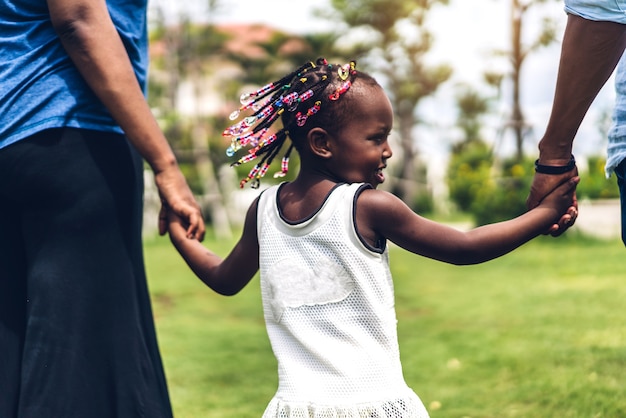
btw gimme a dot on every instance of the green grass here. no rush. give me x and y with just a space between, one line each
538 333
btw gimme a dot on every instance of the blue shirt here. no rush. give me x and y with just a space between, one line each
604 10
40 87
616 148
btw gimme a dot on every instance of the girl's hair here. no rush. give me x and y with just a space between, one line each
308 97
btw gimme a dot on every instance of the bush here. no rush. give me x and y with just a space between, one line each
489 194
493 195
594 184
468 170
504 197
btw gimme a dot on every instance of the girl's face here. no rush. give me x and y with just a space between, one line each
360 149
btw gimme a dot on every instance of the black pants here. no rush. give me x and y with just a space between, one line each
620 172
77 337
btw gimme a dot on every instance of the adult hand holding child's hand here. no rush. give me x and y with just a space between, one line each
544 182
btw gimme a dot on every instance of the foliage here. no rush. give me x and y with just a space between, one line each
506 339
189 52
504 196
490 193
192 56
594 184
516 55
471 158
394 49
472 106
423 203
468 170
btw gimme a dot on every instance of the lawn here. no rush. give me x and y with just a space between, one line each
538 333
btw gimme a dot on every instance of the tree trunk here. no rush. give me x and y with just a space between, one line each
407 185
212 197
517 122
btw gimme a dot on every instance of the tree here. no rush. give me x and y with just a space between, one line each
187 47
471 158
517 54
395 45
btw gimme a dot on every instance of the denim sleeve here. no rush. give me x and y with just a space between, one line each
616 150
605 10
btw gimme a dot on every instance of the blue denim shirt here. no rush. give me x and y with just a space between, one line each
616 150
605 10
612 11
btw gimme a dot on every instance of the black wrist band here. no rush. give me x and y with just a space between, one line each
555 169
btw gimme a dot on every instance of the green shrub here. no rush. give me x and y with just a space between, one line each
594 184
492 194
469 169
489 193
504 196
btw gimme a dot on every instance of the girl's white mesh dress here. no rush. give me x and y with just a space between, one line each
329 309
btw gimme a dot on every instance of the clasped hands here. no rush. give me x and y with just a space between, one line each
541 186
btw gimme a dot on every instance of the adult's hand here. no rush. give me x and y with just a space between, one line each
545 183
177 197
86 30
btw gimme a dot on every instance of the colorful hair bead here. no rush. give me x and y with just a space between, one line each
234 115
344 72
284 164
263 90
282 98
265 112
300 119
313 110
245 159
263 170
268 141
290 98
246 98
341 90
230 151
250 175
306 95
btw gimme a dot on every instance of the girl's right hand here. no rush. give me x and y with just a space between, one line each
563 200
177 198
176 226
539 189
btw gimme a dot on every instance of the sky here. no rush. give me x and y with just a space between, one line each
466 33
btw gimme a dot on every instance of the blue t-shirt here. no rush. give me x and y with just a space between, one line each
40 87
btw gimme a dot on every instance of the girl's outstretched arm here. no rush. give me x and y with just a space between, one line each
225 276
381 214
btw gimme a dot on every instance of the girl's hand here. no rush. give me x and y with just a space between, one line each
177 198
544 184
563 200
175 225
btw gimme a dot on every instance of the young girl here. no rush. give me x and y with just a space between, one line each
320 244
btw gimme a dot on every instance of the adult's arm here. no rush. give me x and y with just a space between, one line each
87 32
589 53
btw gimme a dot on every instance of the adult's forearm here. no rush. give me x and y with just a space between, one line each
590 51
92 42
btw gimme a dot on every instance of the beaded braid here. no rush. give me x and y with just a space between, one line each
301 94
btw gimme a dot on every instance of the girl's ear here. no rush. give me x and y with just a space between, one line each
318 142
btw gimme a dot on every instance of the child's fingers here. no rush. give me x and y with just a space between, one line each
553 229
195 229
565 190
569 186
163 219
